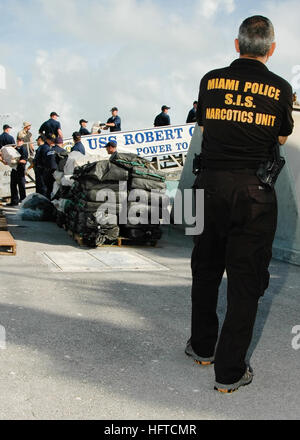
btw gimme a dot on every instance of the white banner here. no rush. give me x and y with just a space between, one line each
149 142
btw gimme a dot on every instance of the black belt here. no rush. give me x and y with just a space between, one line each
249 171
232 164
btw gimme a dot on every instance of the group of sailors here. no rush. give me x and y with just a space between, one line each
44 160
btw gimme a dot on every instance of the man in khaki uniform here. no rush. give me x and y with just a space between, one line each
26 136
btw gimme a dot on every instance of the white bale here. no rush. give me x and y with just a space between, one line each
77 159
10 156
55 189
58 175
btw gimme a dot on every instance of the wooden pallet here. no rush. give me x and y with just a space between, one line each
8 245
119 242
77 238
80 242
3 222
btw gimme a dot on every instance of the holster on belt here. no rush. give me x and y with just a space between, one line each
269 171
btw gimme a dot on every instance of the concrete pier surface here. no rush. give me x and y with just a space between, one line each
101 335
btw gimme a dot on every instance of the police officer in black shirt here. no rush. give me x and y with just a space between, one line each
243 110
17 177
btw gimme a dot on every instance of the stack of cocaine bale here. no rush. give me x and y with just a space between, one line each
88 209
147 186
80 210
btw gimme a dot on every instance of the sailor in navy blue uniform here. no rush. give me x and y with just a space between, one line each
17 177
83 130
163 118
51 163
39 165
78 145
192 113
114 122
52 126
5 137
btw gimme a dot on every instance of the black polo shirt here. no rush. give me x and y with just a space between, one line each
243 109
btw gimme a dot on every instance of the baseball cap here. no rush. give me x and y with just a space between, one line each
26 124
165 107
111 144
54 114
114 109
5 127
82 120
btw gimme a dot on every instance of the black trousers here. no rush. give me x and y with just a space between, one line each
17 185
240 218
49 182
40 185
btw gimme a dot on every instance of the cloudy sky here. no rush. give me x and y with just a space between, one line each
80 58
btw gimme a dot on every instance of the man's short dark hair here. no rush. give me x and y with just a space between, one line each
112 144
256 35
42 137
76 136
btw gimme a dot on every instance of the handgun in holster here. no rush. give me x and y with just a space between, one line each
269 171
197 164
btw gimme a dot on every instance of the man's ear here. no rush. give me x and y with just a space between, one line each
272 48
237 46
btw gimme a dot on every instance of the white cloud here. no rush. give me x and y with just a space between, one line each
208 8
134 54
2 78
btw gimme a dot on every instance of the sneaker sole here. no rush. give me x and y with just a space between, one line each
232 390
204 363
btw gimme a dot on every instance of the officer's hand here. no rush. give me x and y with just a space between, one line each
282 139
